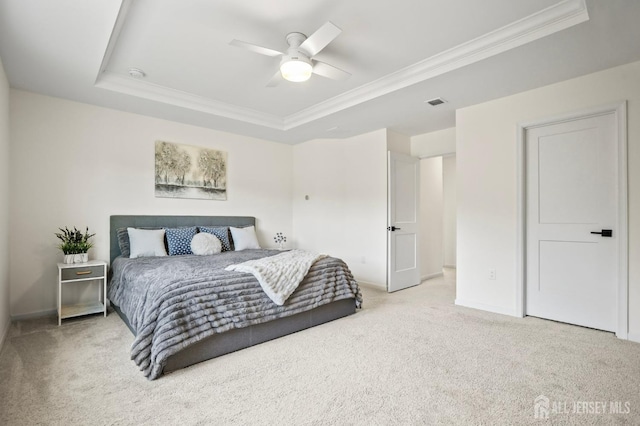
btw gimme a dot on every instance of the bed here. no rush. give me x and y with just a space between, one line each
186 309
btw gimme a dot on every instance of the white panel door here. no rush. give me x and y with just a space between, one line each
571 272
403 191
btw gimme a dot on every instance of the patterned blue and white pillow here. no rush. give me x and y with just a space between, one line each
179 240
222 232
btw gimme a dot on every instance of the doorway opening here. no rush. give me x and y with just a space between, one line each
438 215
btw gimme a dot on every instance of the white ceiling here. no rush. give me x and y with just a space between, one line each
399 53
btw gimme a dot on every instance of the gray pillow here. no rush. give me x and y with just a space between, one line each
123 241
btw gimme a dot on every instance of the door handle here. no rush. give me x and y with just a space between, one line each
604 233
392 228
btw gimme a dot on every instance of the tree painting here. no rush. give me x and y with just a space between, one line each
184 171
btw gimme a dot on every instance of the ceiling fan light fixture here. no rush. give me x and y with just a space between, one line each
296 68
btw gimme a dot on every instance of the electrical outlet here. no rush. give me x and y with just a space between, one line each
492 274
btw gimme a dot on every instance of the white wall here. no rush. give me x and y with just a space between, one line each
434 144
449 210
431 218
5 176
486 156
76 164
397 142
346 213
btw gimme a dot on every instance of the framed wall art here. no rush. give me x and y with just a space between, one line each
185 171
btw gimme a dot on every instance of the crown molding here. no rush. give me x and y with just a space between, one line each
533 27
115 33
154 92
555 18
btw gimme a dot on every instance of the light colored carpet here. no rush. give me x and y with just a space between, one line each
411 357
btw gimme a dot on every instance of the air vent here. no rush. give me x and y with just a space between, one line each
436 101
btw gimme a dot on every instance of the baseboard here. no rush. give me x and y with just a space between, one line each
488 308
371 285
428 277
32 315
634 337
449 266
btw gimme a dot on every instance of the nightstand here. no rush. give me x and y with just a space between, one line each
88 272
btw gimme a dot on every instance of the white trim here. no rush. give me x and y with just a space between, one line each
623 224
115 33
154 92
545 22
485 307
368 284
31 315
520 221
430 276
634 337
619 110
443 155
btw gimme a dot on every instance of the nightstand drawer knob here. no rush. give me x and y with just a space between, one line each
83 272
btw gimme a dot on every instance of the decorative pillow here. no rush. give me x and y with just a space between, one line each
204 244
123 241
179 240
222 232
146 242
244 238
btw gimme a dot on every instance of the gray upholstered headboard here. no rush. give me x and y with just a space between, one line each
169 222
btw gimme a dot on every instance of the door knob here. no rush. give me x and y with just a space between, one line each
604 233
392 228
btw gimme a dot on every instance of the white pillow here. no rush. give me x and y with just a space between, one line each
146 242
244 238
204 243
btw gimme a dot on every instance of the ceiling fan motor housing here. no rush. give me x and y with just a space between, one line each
295 55
295 39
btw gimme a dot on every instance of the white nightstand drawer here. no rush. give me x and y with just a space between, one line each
80 272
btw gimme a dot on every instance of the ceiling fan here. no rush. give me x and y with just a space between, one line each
298 63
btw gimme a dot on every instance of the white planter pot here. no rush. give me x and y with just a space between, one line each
68 258
81 258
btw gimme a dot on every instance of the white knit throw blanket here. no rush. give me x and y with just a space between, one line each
281 274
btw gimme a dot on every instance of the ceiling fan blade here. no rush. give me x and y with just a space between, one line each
275 80
329 71
319 40
255 48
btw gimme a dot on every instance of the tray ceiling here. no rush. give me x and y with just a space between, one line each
400 54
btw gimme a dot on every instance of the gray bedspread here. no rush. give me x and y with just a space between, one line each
175 301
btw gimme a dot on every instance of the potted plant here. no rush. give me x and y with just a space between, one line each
75 244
